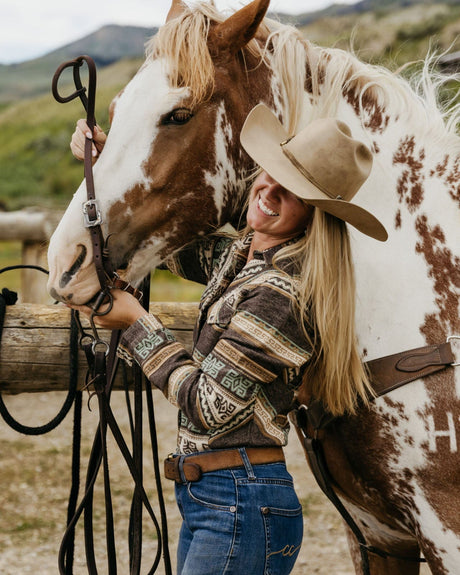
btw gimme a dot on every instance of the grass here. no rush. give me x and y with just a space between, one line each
10 255
164 285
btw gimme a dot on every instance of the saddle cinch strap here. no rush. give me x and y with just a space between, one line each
393 371
386 373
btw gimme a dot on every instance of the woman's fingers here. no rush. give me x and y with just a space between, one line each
81 133
124 312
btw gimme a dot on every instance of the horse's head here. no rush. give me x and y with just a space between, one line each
172 168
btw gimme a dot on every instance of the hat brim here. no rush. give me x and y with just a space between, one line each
261 136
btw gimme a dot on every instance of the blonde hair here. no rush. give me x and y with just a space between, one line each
326 308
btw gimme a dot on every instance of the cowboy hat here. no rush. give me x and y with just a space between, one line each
322 164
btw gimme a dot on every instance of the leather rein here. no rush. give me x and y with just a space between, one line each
92 214
102 366
386 374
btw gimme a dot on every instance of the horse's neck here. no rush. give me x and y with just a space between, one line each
406 285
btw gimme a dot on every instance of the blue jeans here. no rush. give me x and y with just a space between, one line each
241 520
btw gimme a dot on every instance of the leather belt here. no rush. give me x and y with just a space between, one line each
183 468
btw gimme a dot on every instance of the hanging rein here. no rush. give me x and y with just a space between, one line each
102 366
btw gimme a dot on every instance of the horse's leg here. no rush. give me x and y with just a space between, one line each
385 566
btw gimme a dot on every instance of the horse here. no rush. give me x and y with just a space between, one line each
173 170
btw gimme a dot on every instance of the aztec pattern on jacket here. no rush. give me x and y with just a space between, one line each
249 351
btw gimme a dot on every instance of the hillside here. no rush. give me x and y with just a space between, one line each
389 36
36 166
107 45
390 31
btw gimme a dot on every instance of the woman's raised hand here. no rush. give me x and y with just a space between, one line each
77 143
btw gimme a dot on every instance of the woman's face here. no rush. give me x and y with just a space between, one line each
274 212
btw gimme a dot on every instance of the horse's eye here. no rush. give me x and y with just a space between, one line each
179 116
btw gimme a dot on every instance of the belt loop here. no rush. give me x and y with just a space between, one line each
247 463
180 467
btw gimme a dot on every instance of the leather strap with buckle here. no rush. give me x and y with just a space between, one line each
191 467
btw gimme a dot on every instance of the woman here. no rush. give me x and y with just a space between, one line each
278 309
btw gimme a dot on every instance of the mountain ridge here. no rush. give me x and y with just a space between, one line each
36 165
112 42
106 45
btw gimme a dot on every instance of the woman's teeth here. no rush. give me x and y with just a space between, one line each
265 209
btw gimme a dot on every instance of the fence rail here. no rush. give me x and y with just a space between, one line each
35 354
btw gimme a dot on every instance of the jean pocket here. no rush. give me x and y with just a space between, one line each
214 492
283 538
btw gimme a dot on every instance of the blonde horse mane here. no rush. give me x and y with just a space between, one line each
329 74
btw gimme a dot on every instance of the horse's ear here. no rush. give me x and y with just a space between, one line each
177 7
235 32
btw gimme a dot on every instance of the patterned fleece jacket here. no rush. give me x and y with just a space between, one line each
249 353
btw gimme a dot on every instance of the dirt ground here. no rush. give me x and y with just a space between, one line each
35 479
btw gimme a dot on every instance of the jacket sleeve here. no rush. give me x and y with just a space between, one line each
262 342
195 261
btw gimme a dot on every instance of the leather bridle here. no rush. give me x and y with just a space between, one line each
102 365
92 215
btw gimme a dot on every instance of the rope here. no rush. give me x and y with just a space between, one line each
8 297
101 376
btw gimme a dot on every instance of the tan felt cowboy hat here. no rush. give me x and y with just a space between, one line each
322 164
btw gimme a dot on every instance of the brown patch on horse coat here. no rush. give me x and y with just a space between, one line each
450 176
357 444
375 119
440 453
444 269
410 183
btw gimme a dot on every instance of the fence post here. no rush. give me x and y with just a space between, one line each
32 227
33 282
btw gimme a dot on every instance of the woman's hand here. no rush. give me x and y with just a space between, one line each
77 144
125 311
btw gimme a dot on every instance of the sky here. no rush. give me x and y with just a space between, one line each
31 28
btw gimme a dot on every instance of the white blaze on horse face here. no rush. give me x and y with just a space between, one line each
225 175
119 169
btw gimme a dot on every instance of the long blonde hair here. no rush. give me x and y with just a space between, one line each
326 309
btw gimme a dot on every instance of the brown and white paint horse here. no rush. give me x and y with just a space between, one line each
173 170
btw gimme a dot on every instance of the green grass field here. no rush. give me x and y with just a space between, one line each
164 285
10 255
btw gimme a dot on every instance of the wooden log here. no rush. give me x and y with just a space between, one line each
35 353
28 225
33 282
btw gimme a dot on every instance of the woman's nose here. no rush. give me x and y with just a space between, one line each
274 189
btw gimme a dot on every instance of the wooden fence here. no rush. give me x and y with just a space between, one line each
33 228
35 354
34 351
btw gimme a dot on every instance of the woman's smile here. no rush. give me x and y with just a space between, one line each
265 209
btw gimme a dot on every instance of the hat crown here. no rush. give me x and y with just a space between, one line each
326 154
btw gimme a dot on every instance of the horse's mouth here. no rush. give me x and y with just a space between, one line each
67 276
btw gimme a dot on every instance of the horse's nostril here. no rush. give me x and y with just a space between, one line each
68 275
54 294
